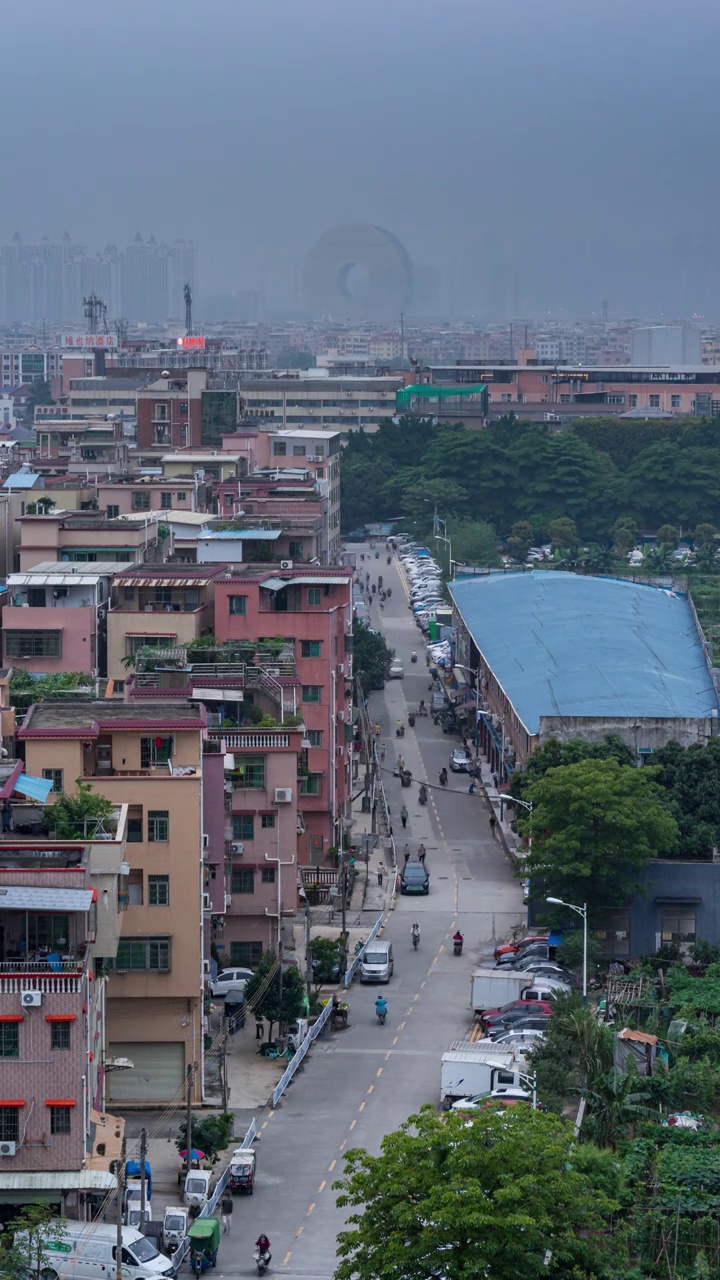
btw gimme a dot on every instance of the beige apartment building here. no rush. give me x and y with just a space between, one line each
148 755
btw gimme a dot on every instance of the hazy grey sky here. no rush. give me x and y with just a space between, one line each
544 153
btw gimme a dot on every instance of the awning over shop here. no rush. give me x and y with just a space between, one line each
59 1180
23 898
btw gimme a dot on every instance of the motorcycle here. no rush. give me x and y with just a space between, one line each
389 559
262 1261
422 794
381 1015
415 937
443 777
413 656
400 731
458 945
411 719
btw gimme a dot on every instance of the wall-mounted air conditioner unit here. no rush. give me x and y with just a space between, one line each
340 750
286 564
341 669
341 715
228 901
30 999
238 846
7 1148
283 795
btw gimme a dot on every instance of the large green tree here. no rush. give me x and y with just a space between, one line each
371 656
503 1194
594 825
554 753
691 778
273 999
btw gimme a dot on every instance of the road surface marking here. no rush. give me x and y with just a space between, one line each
402 1024
322 1186
264 1125
270 1115
387 1055
416 996
422 984
344 1142
286 1259
299 1232
352 1125
312 1206
370 1089
408 1012
331 1165
361 1107
441 947
379 1072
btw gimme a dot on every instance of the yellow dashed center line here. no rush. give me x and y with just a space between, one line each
299 1232
387 1055
361 1107
379 1072
312 1206
372 1086
400 1028
352 1124
331 1165
322 1186
264 1124
286 1259
422 984
343 1144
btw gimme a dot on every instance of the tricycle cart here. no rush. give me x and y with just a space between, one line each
242 1171
204 1237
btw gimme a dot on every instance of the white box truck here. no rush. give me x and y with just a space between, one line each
471 1067
492 988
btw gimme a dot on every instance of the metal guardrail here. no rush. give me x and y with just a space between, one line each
180 1254
350 973
302 1051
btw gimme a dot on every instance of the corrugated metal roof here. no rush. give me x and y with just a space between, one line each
226 535
35 788
188 517
61 1180
149 580
561 644
25 898
54 573
21 480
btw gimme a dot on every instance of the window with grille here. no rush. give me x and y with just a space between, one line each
158 826
9 1040
268 820
165 501
56 777
267 875
249 772
159 891
157 750
134 643
9 1124
311 692
315 737
141 501
238 605
33 644
245 955
310 785
310 648
60 1035
243 826
60 1120
314 595
112 511
678 924
242 880
138 954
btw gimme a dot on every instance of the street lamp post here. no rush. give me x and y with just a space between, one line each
581 911
526 804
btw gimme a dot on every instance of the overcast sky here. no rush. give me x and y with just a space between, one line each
543 154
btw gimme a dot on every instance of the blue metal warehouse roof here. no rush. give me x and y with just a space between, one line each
565 645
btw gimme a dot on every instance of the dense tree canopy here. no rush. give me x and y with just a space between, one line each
596 473
594 825
371 656
503 1194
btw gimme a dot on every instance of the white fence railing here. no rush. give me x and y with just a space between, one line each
180 1254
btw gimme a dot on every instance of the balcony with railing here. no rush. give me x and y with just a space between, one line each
175 673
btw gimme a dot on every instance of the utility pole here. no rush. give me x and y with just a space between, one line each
188 1117
143 1154
119 1214
223 1069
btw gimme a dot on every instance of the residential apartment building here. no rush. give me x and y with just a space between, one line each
55 617
340 404
320 452
181 411
83 447
310 608
59 929
567 391
89 536
167 605
148 755
251 832
127 495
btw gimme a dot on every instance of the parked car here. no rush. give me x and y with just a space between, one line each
515 1006
520 1039
230 980
458 761
414 878
505 947
536 950
397 670
518 1024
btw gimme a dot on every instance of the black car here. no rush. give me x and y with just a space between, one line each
528 1022
414 878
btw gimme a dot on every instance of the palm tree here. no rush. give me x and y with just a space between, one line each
657 558
614 1102
706 558
599 558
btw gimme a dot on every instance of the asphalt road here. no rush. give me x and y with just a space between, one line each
362 1082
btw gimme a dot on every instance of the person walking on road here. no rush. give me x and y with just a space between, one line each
421 853
406 854
493 823
226 1209
404 816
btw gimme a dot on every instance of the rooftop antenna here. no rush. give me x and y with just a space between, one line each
187 295
121 329
95 313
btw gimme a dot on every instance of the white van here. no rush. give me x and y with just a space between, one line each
86 1251
377 962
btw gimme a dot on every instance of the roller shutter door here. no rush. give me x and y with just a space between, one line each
157 1073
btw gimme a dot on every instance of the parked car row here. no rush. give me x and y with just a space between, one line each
424 579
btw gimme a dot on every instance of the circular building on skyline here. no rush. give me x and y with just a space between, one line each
358 271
